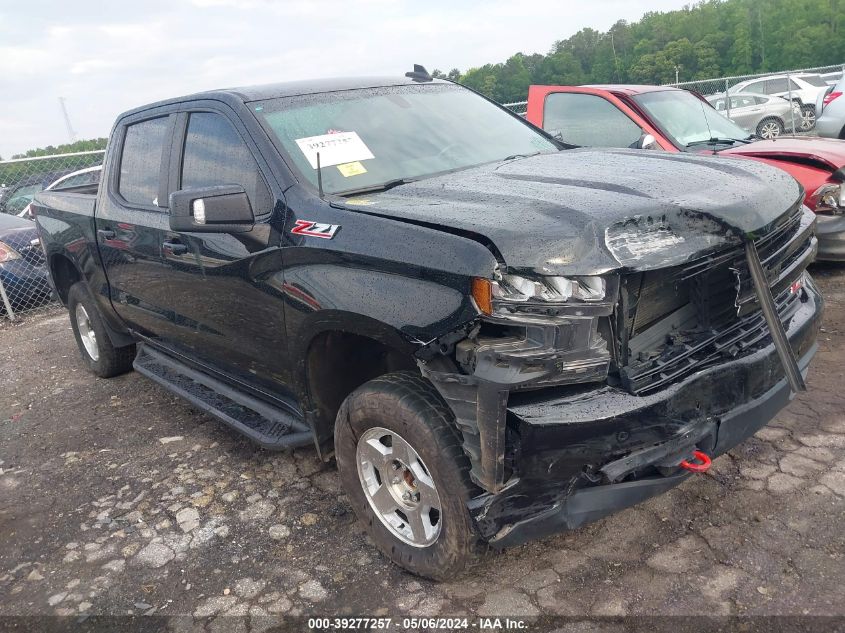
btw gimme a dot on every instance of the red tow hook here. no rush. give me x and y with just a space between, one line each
701 464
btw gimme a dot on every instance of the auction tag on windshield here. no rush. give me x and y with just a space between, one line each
349 169
334 149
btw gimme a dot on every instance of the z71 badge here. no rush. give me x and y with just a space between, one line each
315 229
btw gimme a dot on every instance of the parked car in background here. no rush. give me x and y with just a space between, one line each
16 197
804 89
661 117
82 181
767 117
22 270
831 108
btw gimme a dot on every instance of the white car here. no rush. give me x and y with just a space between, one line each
767 117
82 178
804 89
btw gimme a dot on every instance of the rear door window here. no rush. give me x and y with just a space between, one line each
757 86
215 154
588 120
814 80
140 162
780 85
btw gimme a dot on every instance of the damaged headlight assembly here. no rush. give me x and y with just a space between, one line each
829 199
538 331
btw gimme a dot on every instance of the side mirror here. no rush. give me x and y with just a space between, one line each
647 141
223 209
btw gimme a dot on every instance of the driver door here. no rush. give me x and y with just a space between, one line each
228 311
582 117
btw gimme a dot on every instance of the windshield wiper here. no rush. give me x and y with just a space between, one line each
716 141
390 184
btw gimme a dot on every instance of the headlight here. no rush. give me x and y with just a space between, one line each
829 199
540 330
512 291
7 253
549 289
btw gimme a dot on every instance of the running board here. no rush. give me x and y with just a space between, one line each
269 426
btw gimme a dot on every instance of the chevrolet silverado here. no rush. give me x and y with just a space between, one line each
497 336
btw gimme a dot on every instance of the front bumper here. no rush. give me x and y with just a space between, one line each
830 231
581 456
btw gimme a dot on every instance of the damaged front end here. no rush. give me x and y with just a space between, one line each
534 333
578 396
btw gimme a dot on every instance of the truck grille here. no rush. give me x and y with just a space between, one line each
680 320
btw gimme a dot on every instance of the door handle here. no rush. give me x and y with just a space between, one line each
105 234
174 248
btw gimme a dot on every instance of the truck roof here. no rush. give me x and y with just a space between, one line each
630 89
260 92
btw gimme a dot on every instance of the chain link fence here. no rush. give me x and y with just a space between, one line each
769 104
24 283
520 107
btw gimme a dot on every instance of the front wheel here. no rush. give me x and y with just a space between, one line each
403 469
103 359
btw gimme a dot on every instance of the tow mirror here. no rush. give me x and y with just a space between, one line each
223 209
647 141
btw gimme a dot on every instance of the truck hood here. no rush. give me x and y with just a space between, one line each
589 211
823 153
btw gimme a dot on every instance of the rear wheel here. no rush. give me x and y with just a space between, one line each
102 358
403 469
770 128
808 118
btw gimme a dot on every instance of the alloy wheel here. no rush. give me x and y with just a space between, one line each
399 487
86 333
808 119
770 129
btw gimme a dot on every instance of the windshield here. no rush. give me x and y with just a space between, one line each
372 137
687 119
22 197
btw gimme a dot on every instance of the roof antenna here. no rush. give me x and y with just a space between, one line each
319 176
706 122
419 74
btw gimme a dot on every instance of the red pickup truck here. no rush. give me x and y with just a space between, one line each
674 120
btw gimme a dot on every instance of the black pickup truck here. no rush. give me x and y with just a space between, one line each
497 335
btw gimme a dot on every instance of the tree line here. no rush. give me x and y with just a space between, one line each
712 38
24 172
65 148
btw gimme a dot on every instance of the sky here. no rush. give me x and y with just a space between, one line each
108 57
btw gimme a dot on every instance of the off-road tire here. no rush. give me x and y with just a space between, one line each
408 404
769 120
111 361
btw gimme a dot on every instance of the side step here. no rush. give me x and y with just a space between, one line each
269 426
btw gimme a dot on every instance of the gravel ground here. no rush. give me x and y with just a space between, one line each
117 498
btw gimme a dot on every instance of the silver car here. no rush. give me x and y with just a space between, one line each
831 108
765 116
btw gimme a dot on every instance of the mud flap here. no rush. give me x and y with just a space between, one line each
767 305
